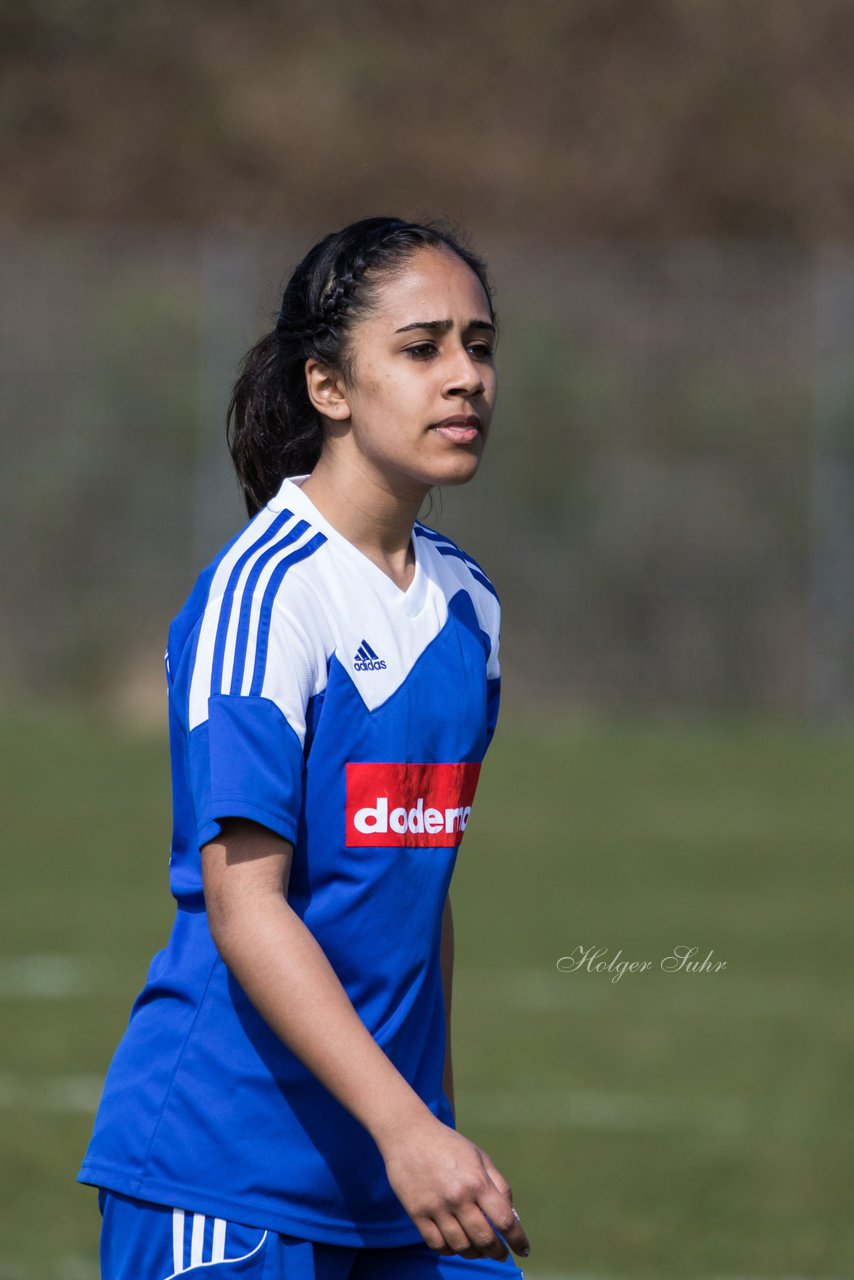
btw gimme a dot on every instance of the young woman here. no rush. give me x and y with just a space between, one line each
281 1103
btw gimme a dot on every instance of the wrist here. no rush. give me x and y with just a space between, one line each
402 1120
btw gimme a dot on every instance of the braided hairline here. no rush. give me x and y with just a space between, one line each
301 333
347 277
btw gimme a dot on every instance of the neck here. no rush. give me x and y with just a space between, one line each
362 505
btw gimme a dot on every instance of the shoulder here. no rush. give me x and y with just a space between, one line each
259 586
467 569
455 570
270 560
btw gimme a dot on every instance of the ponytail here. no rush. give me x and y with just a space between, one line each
272 428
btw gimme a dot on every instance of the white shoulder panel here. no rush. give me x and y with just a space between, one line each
241 627
458 570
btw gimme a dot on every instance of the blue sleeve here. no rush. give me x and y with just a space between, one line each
246 761
246 718
493 669
493 700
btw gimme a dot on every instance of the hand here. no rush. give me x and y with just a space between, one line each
453 1192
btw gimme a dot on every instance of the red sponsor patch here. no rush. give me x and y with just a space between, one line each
409 804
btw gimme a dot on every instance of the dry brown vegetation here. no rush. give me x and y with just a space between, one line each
604 117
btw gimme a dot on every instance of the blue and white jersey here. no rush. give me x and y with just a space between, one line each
308 693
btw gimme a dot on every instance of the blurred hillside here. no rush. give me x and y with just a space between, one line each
607 117
664 191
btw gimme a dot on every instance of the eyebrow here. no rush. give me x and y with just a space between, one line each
442 326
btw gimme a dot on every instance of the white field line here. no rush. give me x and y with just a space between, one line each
546 990
75 1267
556 1109
67 1093
71 1267
569 1275
541 990
567 1109
48 977
634 1275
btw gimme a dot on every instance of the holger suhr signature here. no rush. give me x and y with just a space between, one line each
594 960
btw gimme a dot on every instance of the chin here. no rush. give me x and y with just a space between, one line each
458 465
457 470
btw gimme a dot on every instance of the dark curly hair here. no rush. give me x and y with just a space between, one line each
273 430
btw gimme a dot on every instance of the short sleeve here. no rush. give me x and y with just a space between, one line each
251 684
493 673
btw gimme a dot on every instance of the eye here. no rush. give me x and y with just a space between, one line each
422 351
426 350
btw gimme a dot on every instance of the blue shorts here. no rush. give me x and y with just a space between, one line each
142 1241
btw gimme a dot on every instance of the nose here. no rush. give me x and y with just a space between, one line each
466 377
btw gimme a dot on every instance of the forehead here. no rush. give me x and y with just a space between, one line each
433 284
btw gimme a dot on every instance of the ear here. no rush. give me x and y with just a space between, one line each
326 391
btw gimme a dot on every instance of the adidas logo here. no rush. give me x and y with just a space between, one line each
366 659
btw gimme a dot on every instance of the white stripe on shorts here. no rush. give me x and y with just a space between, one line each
197 1240
177 1240
218 1247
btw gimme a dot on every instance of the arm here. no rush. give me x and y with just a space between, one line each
445 1183
447 962
270 951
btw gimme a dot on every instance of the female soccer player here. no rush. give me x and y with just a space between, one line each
281 1103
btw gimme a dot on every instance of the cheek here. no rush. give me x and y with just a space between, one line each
403 390
404 394
377 383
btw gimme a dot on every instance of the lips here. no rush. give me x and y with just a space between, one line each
459 420
458 430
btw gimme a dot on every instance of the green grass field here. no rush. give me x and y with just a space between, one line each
666 1125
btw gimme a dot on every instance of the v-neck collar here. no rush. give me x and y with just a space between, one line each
411 601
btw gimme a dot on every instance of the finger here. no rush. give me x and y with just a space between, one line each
454 1235
483 1238
496 1175
500 1212
432 1236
